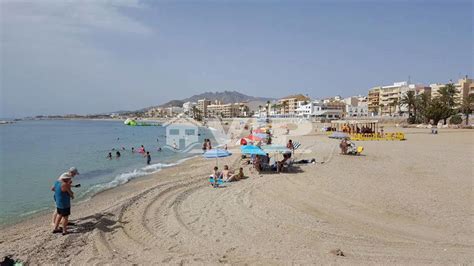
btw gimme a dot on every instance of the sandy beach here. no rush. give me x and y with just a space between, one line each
408 202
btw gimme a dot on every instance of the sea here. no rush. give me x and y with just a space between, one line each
33 154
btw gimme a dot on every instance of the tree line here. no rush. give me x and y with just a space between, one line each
422 108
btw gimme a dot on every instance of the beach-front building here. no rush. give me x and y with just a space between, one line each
361 109
188 107
463 88
373 100
223 110
318 109
228 110
289 104
202 106
386 100
156 112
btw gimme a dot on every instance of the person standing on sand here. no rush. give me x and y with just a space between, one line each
63 195
71 173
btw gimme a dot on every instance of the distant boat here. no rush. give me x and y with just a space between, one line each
4 122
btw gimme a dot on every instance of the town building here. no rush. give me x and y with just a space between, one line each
386 100
289 104
318 109
359 110
228 110
373 100
463 88
202 107
188 107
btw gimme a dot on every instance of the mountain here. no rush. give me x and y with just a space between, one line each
225 97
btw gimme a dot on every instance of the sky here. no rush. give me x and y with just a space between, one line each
84 57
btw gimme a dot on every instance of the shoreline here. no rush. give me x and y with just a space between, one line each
45 210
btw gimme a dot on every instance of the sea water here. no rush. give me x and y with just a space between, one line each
34 153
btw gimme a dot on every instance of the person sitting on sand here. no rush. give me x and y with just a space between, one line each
257 163
343 145
215 176
281 163
241 174
228 176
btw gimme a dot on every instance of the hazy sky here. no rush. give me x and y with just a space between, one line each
85 57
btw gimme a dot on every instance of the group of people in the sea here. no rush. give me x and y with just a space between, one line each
140 150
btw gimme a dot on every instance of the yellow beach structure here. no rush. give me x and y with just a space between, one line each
364 130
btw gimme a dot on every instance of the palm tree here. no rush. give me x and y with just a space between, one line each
467 107
284 105
409 100
422 102
447 98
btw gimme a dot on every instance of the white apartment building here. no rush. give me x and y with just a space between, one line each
188 107
359 110
318 109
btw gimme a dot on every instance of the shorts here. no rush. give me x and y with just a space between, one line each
64 212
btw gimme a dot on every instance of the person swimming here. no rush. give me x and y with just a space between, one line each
133 150
109 156
117 154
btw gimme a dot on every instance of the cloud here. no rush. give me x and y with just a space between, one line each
73 16
55 51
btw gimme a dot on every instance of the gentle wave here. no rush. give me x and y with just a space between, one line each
126 177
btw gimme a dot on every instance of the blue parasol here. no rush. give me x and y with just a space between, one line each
252 150
216 153
276 149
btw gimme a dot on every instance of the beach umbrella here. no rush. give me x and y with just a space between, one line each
252 150
261 135
339 135
216 153
253 138
276 149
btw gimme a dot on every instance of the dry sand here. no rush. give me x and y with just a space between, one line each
401 203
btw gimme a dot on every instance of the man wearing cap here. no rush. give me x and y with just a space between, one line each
62 196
